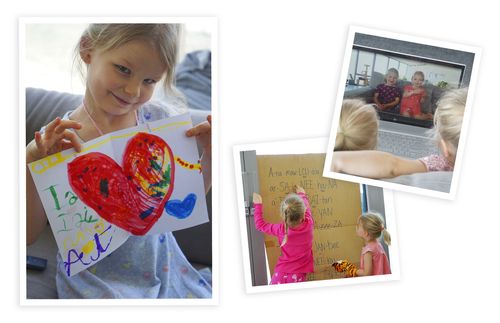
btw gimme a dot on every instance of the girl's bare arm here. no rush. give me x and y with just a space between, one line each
374 164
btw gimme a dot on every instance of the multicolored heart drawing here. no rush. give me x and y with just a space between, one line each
132 197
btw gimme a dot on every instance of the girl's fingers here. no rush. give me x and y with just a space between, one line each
39 143
66 144
67 124
52 125
71 137
38 139
199 129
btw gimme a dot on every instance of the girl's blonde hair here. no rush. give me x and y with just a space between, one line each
449 116
392 70
373 224
419 73
292 211
104 37
358 126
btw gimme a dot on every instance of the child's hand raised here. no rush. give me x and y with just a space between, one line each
298 189
203 133
257 199
57 137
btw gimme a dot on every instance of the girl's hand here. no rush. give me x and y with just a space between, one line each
298 189
57 137
257 199
203 133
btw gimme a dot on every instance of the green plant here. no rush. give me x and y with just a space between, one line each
442 84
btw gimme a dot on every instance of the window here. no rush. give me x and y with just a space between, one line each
50 49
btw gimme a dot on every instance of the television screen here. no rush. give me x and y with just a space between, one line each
404 80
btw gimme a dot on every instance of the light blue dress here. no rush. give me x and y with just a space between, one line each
151 266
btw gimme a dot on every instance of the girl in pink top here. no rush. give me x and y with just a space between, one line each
295 235
373 258
413 96
378 164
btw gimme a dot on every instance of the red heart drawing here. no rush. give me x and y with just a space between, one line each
132 197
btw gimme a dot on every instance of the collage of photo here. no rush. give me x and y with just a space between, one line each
119 196
320 212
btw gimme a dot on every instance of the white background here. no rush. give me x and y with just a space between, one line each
279 64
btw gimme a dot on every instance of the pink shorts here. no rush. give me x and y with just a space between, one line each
287 278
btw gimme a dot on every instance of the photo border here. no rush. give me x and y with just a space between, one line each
212 23
305 146
465 123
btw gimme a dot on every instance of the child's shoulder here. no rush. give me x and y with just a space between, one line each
373 247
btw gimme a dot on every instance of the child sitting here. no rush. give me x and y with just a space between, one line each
377 164
413 96
387 95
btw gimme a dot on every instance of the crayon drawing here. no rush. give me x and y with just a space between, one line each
141 180
132 197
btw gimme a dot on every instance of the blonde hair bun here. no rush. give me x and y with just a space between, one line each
358 126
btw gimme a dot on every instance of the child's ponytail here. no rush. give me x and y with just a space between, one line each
285 238
292 212
386 236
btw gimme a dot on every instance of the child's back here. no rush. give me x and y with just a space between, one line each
295 236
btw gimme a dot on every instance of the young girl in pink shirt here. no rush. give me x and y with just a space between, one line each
373 258
295 235
413 96
378 164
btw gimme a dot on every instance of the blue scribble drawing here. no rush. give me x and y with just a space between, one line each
181 209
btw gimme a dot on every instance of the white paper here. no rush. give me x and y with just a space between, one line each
82 234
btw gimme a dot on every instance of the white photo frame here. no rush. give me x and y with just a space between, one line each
306 146
412 48
210 25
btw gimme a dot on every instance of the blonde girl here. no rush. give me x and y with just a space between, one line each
387 95
123 64
370 227
358 126
373 258
447 126
295 235
413 96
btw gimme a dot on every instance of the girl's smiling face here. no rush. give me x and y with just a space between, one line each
417 80
122 79
391 79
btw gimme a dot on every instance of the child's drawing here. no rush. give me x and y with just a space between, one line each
131 197
141 180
